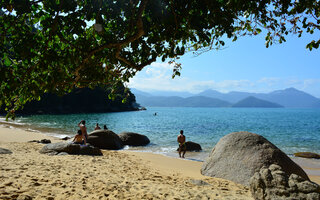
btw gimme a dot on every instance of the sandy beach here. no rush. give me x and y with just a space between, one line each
27 174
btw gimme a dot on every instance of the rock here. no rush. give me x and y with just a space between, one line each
198 182
66 138
307 155
237 156
192 146
5 151
70 148
279 185
105 139
133 139
43 141
143 108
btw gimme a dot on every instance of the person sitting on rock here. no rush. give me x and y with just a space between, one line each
78 139
97 127
105 127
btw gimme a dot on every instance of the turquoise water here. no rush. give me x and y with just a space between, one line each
292 130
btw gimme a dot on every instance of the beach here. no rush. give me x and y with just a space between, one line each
27 174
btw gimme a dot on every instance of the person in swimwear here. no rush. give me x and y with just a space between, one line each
78 139
97 127
83 128
182 144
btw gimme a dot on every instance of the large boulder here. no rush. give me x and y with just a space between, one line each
134 139
237 156
273 183
105 139
70 148
192 146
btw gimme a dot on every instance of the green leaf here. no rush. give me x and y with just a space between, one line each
7 61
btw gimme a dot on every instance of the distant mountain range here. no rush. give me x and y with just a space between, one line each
289 98
252 102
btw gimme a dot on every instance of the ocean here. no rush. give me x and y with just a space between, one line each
292 130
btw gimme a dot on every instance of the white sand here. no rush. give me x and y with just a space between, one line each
28 174
115 175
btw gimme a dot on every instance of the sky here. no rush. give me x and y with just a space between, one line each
244 65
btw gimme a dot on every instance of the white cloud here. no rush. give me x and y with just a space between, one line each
158 76
270 81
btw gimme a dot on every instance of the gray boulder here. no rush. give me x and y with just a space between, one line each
134 139
237 156
105 139
5 151
70 148
192 146
273 183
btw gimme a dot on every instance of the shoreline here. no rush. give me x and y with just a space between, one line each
10 132
124 174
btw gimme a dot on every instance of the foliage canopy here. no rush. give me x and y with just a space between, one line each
58 45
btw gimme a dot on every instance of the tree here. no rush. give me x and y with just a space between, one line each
59 45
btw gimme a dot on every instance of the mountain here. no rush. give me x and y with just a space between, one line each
290 98
232 97
175 101
139 92
167 93
252 102
201 101
159 101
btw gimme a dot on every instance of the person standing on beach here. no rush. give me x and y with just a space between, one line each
83 128
182 144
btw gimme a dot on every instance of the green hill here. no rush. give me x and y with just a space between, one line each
82 100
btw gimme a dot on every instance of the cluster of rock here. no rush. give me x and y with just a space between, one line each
273 183
107 139
242 155
63 148
99 139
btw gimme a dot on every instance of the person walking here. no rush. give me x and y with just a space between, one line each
182 144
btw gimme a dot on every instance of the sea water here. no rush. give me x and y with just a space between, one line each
292 130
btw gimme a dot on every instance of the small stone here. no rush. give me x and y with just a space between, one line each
198 182
5 151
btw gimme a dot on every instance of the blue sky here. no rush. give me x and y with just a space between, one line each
244 65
